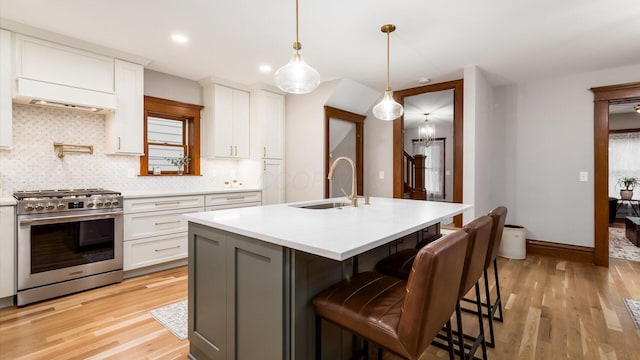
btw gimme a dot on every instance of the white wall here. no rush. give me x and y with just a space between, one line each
553 143
378 157
625 121
304 144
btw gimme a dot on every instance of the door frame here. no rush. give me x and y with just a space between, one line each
602 97
458 141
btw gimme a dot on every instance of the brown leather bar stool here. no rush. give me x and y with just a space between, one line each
498 216
479 231
400 316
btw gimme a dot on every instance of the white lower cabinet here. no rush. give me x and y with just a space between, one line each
7 255
154 250
155 231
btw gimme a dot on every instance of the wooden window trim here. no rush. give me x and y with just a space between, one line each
190 114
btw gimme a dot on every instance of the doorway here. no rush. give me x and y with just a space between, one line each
603 97
456 154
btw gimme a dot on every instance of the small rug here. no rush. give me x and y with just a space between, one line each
634 310
620 247
174 317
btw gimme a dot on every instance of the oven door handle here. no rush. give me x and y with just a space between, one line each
69 217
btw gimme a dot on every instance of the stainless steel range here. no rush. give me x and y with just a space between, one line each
68 241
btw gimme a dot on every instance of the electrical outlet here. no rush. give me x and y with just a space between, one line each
381 175
131 172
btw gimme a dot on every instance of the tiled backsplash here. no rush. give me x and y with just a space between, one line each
33 163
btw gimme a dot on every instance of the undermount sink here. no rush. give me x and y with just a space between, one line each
322 206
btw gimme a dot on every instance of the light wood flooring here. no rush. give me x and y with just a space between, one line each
554 309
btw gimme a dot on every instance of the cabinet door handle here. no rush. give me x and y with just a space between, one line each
169 248
236 150
168 222
118 142
265 151
231 150
264 167
165 203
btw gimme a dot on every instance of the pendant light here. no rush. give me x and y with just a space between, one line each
426 132
388 109
296 77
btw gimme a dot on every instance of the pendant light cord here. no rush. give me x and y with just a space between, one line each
387 88
297 46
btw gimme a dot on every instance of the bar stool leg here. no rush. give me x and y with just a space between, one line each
498 299
460 333
449 340
491 342
318 337
481 322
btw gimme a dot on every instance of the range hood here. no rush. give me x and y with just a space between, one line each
29 91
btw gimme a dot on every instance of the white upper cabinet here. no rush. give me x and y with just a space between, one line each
125 125
267 120
225 123
6 112
54 72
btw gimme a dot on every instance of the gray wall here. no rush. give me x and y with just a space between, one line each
171 87
552 142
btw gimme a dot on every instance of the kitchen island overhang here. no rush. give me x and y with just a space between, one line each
253 271
334 233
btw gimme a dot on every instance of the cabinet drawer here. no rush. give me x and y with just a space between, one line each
163 203
232 206
144 225
156 250
233 198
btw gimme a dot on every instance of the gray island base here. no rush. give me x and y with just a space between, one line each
251 282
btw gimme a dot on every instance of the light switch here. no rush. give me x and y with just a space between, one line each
381 175
584 176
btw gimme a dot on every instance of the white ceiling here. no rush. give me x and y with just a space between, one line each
511 40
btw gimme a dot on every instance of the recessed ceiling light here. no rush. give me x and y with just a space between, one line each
179 38
265 68
424 80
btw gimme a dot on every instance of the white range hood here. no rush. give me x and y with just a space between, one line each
29 91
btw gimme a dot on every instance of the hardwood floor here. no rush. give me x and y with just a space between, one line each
554 309
111 322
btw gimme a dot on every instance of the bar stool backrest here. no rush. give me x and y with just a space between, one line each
432 291
479 231
499 216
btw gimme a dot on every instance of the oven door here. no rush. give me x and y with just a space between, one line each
55 249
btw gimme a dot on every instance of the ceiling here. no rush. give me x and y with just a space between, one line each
511 41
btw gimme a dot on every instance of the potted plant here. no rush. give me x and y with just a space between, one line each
179 162
629 183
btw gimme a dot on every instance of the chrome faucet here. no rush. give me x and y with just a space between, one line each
354 196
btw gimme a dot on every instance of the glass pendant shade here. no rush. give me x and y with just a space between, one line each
426 133
388 109
296 77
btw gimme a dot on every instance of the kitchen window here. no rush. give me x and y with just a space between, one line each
171 131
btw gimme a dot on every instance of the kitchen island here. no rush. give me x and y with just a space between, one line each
253 271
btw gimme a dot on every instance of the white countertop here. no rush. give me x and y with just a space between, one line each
333 233
7 201
133 194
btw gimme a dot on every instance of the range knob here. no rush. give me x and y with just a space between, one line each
39 207
90 205
29 207
50 206
107 203
115 203
99 203
60 206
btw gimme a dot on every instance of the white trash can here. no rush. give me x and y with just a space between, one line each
514 242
